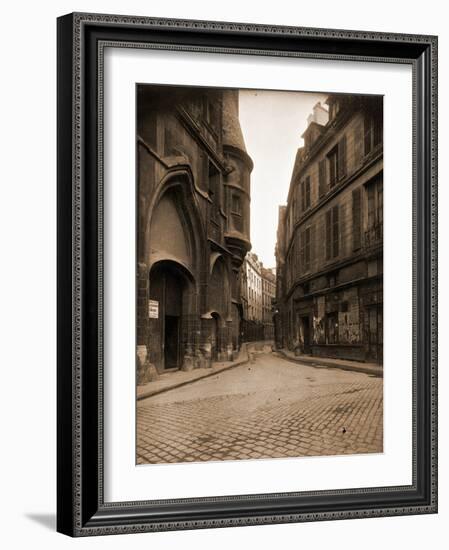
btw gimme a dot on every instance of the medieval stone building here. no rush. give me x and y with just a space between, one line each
193 226
330 236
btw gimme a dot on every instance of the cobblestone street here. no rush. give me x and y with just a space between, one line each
268 408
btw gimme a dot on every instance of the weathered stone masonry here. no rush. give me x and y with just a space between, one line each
193 227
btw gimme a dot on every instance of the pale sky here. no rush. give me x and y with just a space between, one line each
272 123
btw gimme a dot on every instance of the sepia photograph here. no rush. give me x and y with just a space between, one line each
259 291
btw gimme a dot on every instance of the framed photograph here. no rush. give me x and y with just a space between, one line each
246 274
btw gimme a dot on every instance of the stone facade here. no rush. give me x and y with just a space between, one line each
193 227
268 296
257 293
329 253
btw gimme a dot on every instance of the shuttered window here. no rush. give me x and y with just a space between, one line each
333 166
303 197
356 219
342 158
358 143
335 231
332 233
367 128
373 125
305 193
337 162
307 249
322 178
328 233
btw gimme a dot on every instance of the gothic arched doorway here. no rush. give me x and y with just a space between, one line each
169 294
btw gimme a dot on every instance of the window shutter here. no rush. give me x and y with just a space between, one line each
371 206
328 233
332 167
358 144
312 243
322 177
298 253
356 219
380 202
301 188
367 127
307 184
342 158
335 232
307 248
378 128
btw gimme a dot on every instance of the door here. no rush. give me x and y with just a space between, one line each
171 342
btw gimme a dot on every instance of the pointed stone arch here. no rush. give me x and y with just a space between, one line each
175 199
173 253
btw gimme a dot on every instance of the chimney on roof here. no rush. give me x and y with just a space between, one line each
319 115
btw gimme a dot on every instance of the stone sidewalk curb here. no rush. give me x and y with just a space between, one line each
238 363
320 362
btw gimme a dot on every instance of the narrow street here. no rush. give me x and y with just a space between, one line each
268 408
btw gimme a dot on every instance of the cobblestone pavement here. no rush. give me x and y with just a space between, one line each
269 408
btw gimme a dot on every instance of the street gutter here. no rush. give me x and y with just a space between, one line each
319 362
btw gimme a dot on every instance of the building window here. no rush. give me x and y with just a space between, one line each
374 232
305 193
337 162
332 233
305 249
236 212
341 158
322 178
333 166
236 205
356 218
373 131
375 204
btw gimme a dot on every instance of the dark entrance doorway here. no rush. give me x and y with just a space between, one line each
168 290
171 341
306 333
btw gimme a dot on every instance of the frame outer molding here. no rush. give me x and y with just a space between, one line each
72 518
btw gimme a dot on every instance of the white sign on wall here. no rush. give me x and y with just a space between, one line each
153 309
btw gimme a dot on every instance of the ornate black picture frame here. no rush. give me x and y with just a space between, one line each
81 510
